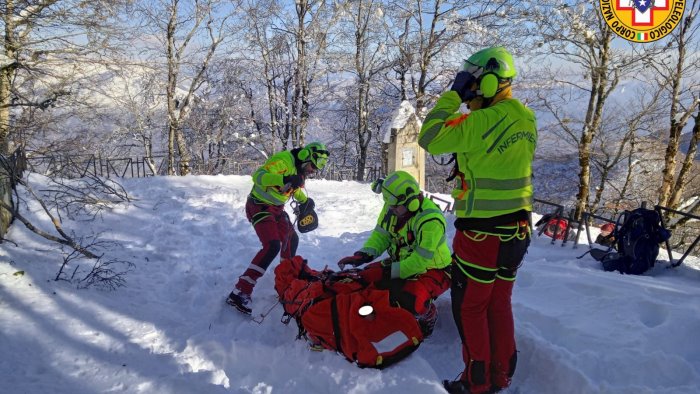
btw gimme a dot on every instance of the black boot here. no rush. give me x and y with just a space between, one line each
455 387
240 301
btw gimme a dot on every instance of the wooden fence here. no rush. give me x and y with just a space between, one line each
139 167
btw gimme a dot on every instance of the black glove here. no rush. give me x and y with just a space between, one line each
386 273
306 206
377 185
294 181
463 84
355 260
386 269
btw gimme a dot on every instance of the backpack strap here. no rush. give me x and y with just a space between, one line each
301 333
336 324
621 226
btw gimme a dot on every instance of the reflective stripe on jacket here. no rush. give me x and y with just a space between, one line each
495 147
268 183
417 246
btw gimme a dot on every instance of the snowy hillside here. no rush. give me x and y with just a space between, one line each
579 329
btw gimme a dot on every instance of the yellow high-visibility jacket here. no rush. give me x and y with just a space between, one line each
495 147
419 245
268 183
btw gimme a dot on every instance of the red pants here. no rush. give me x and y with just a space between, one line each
276 234
413 294
483 275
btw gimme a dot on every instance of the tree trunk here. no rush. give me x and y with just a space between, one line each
170 88
669 171
628 180
584 161
5 81
175 107
674 137
185 158
361 164
179 107
363 68
600 89
427 53
300 103
362 129
148 157
684 174
605 170
6 77
7 72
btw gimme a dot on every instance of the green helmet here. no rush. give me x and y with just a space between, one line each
495 60
316 153
400 188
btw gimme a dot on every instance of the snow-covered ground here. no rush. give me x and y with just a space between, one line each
579 329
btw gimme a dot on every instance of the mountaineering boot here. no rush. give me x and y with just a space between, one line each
240 301
461 387
427 321
455 387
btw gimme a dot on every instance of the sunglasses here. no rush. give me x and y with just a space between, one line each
319 158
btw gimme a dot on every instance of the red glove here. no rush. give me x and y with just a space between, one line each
378 272
355 260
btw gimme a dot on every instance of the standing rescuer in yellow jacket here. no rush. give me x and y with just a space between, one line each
494 146
278 180
411 229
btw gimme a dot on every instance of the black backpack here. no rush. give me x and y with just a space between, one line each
307 220
637 242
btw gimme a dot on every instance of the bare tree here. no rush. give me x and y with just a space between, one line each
292 45
46 46
429 35
270 47
366 34
48 50
576 33
139 114
226 124
429 39
616 152
677 75
189 33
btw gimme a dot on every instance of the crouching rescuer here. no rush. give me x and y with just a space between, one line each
276 182
494 146
411 229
